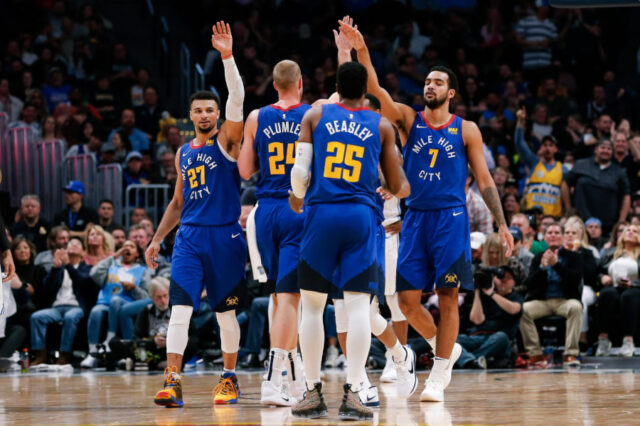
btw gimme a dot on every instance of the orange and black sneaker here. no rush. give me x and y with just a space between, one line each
171 394
227 390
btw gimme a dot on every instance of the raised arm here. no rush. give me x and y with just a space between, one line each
521 146
170 218
343 44
231 131
402 116
248 160
304 155
394 176
473 141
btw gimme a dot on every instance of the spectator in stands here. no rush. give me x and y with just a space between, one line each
106 211
609 248
495 314
31 226
620 298
536 34
553 289
122 146
133 174
510 206
168 170
148 114
9 104
627 156
28 118
597 106
76 216
594 230
122 280
122 74
99 244
57 239
150 330
519 250
108 153
119 236
56 92
104 99
522 222
479 215
139 139
600 188
92 147
147 224
69 294
546 173
51 130
139 235
172 141
477 246
137 90
137 215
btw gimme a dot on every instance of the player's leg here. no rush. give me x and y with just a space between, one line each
399 321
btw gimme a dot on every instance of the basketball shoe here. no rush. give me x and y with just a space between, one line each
171 393
312 405
389 374
352 407
227 390
407 380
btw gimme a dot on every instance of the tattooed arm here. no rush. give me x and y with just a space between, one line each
475 155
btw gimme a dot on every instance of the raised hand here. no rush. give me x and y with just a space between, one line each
342 42
351 32
221 40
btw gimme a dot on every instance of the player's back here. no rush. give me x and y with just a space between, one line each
346 152
211 185
435 163
275 139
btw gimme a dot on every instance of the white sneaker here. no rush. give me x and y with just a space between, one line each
332 356
297 387
455 354
604 347
433 390
369 396
407 380
271 394
389 374
89 362
627 349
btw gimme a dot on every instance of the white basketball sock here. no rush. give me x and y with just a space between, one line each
358 336
312 334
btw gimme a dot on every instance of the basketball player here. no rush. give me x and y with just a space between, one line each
209 250
434 243
345 142
270 135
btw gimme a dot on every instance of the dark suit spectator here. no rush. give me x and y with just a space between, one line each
553 289
70 294
600 188
106 211
57 239
76 216
31 226
139 139
148 114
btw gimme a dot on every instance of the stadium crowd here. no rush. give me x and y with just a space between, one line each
553 91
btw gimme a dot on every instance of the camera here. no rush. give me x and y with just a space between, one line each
483 276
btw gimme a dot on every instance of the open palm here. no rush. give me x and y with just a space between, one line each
221 39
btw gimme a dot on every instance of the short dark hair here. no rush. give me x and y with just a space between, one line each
558 224
75 237
453 80
118 228
374 102
204 95
352 80
106 200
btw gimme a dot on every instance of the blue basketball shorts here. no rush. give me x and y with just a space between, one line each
211 258
435 249
339 242
278 234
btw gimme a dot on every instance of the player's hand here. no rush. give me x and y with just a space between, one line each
492 289
221 40
394 228
384 194
606 280
342 42
295 203
151 255
521 115
351 32
9 269
126 285
506 238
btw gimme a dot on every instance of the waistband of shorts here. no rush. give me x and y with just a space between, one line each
436 210
223 225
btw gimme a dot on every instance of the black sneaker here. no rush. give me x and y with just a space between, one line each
352 408
312 405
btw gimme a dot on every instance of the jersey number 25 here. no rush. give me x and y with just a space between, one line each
343 155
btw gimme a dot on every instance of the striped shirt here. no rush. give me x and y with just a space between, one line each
532 29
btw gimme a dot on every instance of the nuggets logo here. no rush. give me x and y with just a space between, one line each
232 301
451 279
453 130
209 142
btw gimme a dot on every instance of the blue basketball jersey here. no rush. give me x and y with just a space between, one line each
346 151
277 133
211 185
435 162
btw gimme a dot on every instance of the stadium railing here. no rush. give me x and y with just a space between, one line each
153 198
49 168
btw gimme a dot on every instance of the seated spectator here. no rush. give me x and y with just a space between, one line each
477 246
510 206
147 224
119 237
31 226
148 114
76 216
576 241
123 281
172 141
91 147
28 118
57 239
122 146
108 153
493 255
9 104
610 247
137 215
56 92
133 172
594 230
553 289
495 314
480 219
106 211
529 242
139 139
99 245
150 331
69 294
139 235
619 301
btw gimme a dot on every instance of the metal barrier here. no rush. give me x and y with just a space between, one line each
49 169
83 168
153 198
185 75
21 173
110 184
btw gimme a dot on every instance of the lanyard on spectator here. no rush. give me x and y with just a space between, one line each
72 219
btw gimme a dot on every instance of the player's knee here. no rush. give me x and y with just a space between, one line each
409 304
378 324
180 316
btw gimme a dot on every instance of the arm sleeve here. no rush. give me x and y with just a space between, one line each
300 170
232 77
